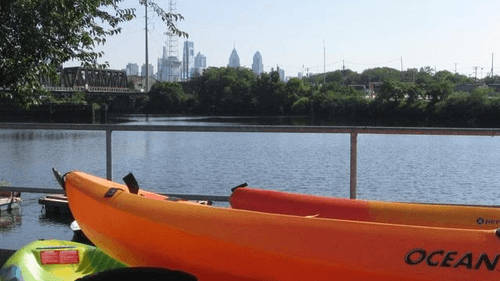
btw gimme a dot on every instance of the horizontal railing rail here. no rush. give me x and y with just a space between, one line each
217 198
353 131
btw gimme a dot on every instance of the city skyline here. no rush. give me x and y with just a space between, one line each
191 64
323 36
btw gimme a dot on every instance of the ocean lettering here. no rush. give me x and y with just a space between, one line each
451 259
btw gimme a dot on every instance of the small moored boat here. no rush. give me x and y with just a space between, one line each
9 200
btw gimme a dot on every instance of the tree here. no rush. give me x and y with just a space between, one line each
380 74
269 93
167 97
424 75
295 89
38 36
392 90
439 90
224 90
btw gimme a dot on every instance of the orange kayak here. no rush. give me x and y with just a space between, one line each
451 216
215 243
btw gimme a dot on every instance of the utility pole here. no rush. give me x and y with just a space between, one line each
401 69
185 61
343 72
492 77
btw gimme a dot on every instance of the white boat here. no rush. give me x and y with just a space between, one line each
9 200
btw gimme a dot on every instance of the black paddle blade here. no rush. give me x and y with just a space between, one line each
131 182
59 178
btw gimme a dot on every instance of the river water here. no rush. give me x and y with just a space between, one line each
438 169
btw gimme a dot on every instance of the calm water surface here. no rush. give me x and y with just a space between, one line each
441 169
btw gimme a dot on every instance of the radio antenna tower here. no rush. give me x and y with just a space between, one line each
172 47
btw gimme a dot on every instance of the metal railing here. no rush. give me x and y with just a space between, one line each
353 131
92 89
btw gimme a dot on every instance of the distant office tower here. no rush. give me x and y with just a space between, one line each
200 63
188 60
234 59
257 65
169 67
150 70
282 73
132 69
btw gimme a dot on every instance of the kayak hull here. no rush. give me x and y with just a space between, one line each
215 243
436 215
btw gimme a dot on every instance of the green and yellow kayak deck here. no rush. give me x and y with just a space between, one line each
56 260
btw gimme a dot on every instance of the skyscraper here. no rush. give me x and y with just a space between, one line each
188 60
200 62
132 69
257 65
234 59
150 70
281 71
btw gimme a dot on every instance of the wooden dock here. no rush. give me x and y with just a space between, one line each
55 204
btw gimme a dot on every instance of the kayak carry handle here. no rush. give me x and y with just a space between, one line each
112 191
131 182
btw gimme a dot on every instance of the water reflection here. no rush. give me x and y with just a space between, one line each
51 135
10 219
219 120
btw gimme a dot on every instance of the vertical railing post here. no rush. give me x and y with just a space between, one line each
354 156
109 156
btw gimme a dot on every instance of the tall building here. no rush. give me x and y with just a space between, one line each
200 63
257 65
281 72
188 61
234 59
150 70
132 69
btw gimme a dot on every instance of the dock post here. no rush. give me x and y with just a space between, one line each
354 155
109 158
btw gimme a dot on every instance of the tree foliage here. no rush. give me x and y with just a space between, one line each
229 91
168 97
38 36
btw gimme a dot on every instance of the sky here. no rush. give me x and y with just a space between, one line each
324 35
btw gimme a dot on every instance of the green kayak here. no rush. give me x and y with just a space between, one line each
56 260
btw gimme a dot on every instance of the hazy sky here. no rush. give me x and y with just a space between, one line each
297 35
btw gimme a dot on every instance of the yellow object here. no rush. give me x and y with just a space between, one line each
56 260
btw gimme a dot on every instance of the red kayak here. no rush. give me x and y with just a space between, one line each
450 216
